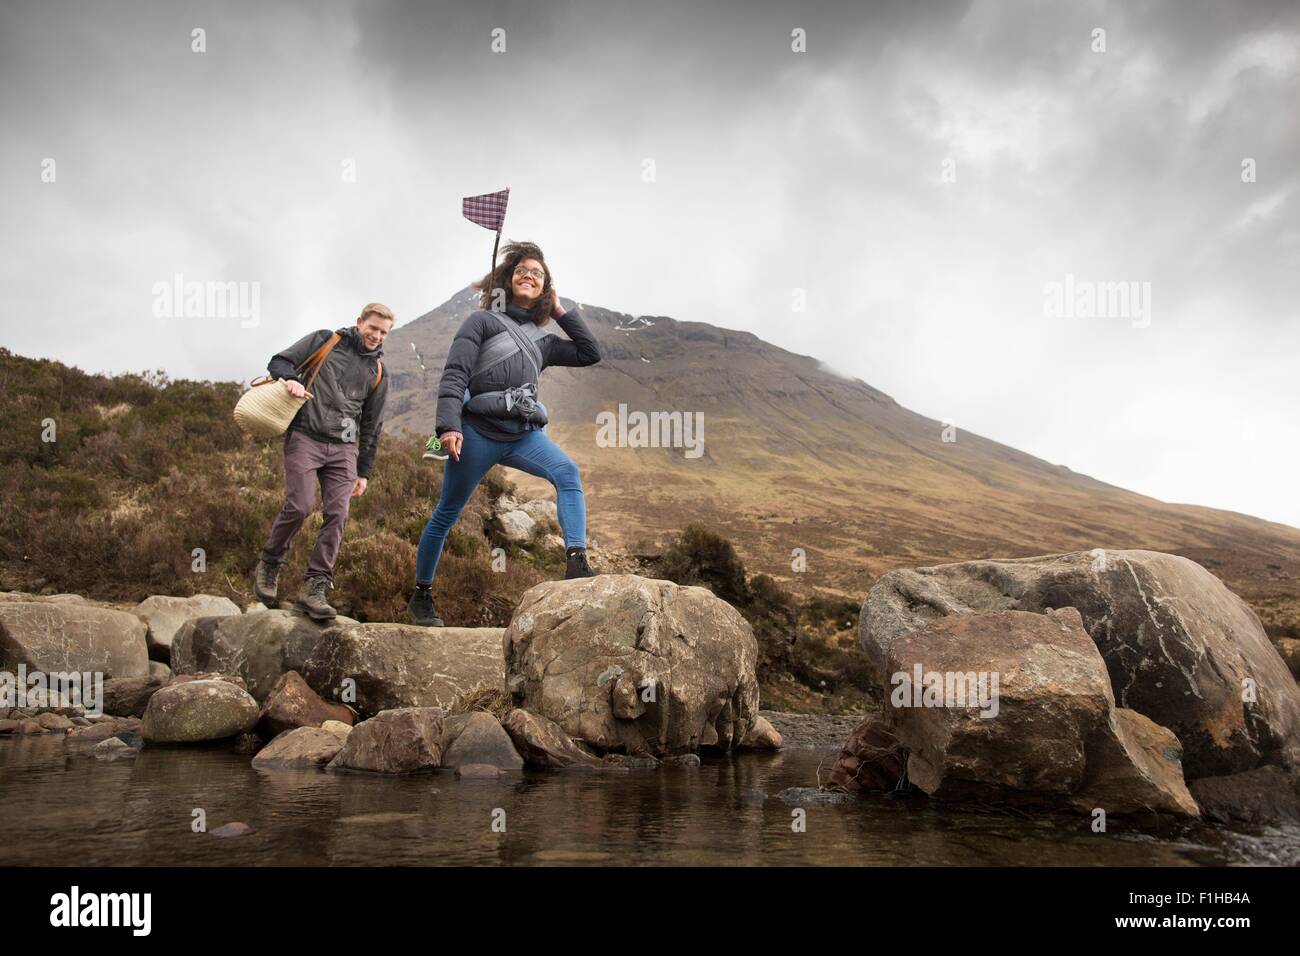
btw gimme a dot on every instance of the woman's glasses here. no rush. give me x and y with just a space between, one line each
537 274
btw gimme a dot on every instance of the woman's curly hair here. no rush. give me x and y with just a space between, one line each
500 278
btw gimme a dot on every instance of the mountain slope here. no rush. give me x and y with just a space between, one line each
795 456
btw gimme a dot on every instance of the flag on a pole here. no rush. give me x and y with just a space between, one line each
488 211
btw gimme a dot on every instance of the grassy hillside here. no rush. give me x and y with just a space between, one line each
144 470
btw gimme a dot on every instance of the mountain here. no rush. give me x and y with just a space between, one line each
795 456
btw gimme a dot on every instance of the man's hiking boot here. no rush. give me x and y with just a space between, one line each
421 608
266 581
312 599
575 565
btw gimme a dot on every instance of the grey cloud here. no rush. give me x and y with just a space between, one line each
818 171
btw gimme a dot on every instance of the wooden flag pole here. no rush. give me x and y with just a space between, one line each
496 242
488 211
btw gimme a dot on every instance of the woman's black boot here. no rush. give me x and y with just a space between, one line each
575 565
421 608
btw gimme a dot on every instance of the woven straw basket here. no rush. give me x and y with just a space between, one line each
266 409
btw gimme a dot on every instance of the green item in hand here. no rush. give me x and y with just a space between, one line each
433 449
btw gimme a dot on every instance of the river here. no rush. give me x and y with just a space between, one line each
62 808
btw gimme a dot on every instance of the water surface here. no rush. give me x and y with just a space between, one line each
60 808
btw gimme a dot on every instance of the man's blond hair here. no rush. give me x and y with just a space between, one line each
376 308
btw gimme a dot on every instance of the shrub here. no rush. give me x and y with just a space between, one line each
808 643
700 557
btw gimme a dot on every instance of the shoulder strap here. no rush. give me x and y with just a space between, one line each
319 355
380 377
525 342
317 358
494 351
497 348
533 331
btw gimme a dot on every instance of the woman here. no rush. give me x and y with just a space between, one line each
488 413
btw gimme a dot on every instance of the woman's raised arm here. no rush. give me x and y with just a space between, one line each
579 350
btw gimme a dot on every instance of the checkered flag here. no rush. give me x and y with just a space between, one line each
488 211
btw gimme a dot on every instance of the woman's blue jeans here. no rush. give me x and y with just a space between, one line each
536 454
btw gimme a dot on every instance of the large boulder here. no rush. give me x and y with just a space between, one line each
628 663
1032 690
164 615
198 710
65 637
1180 648
28 596
303 748
478 738
209 675
1017 708
405 740
1134 766
1265 796
390 666
260 648
129 696
292 703
543 744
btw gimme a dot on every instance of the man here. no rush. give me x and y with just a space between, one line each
332 440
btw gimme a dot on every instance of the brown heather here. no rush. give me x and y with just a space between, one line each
146 469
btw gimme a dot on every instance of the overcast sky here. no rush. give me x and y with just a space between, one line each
922 172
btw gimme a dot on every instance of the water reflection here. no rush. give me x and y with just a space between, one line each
58 808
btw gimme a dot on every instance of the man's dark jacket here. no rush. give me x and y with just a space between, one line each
344 392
